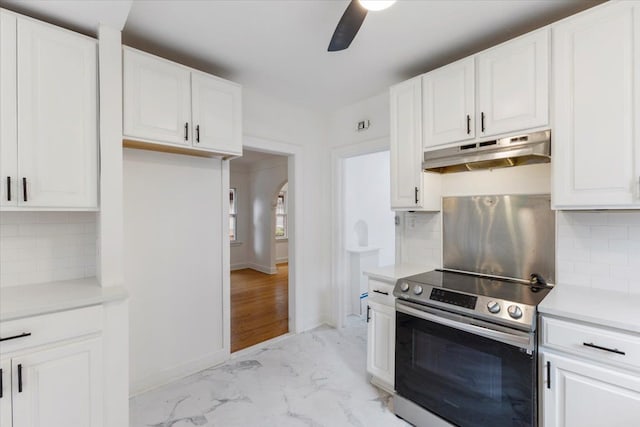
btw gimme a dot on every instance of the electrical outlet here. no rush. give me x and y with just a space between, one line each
363 125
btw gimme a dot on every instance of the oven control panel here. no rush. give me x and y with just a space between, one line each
448 297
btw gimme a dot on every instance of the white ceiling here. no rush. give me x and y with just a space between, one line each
279 47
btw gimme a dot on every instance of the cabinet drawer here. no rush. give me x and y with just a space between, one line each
49 328
381 292
591 341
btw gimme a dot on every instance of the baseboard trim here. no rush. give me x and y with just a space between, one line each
262 268
166 376
282 260
239 266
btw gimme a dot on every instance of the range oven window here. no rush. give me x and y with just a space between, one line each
465 379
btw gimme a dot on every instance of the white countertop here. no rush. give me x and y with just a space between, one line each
606 308
395 271
42 298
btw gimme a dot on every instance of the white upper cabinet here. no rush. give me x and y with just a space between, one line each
406 144
49 144
448 103
8 111
216 113
596 72
157 97
513 85
411 189
169 105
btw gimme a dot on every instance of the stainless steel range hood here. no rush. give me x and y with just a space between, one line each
513 151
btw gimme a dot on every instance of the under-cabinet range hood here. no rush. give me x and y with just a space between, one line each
512 151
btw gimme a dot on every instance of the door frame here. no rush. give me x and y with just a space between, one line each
294 178
340 273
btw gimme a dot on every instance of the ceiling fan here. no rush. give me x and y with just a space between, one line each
352 20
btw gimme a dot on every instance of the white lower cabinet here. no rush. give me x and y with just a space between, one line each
52 370
584 394
58 387
5 392
381 332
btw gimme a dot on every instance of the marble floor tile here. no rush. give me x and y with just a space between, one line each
317 379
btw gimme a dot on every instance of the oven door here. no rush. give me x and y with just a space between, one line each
462 371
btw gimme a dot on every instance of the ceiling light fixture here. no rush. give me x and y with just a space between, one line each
375 5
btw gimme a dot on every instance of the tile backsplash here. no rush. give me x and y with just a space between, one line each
418 239
599 250
38 247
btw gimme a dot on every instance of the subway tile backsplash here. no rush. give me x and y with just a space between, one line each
599 250
38 247
418 238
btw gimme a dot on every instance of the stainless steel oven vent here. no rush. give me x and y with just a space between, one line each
513 151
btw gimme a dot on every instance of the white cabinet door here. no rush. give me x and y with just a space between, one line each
406 144
596 66
57 117
586 395
513 85
5 393
449 103
381 334
157 99
8 111
216 111
61 387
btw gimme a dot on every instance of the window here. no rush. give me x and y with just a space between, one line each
233 221
281 215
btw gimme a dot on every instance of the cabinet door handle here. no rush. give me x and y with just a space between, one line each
20 378
380 292
611 350
22 335
8 188
549 375
368 317
1 385
24 188
416 194
468 124
198 133
482 121
186 131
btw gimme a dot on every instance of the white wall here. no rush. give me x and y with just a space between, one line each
367 186
266 180
39 247
282 251
599 250
241 254
173 264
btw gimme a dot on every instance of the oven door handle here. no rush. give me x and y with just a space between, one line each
518 339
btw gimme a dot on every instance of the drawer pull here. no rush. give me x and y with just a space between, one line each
22 335
380 292
1 385
612 350
368 317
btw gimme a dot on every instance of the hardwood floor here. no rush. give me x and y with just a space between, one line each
259 306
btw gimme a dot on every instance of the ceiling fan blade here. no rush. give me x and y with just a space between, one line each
348 26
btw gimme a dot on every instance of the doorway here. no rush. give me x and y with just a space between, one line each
258 230
364 224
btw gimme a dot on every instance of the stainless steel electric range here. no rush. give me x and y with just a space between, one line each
466 334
